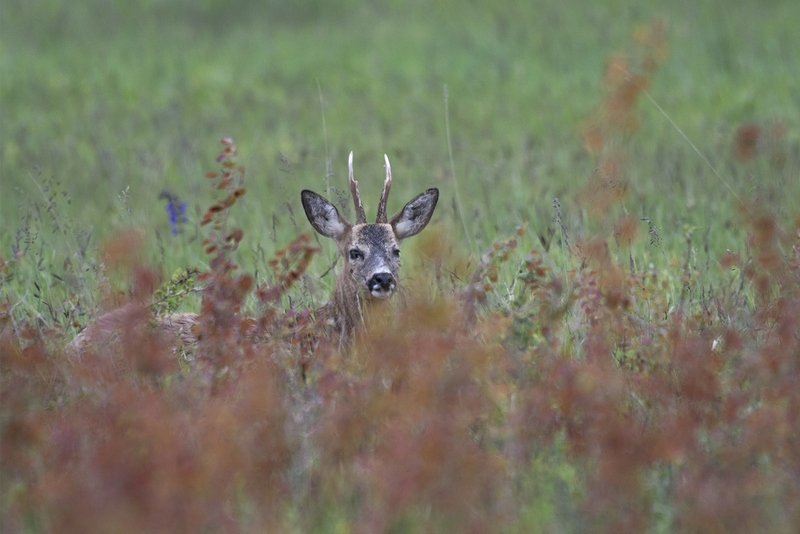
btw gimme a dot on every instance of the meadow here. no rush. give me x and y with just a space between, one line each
601 324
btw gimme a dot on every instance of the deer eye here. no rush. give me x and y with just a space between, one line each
356 254
396 252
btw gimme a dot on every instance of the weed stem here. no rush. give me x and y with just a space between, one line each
705 159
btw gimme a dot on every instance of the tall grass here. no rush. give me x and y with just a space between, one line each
622 356
589 403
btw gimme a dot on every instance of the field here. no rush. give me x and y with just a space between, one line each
600 325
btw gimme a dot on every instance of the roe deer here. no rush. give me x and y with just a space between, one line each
371 256
371 251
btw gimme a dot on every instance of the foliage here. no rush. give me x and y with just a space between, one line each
425 425
622 357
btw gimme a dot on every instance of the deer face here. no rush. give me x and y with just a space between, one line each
372 258
371 251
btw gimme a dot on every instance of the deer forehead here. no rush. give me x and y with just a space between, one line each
373 237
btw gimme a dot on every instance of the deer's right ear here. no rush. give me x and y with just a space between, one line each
323 215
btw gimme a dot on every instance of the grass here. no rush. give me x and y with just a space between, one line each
628 357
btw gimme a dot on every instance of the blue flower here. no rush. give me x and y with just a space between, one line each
176 210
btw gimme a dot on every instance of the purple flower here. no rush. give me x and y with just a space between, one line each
176 210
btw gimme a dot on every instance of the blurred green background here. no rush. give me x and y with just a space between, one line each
104 104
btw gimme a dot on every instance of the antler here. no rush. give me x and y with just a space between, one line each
387 185
361 217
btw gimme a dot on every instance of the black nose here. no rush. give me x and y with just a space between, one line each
382 281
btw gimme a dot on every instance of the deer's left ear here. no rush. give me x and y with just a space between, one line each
415 215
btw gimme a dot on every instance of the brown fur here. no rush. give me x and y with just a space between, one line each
175 329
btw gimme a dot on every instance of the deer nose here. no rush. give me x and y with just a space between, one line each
381 283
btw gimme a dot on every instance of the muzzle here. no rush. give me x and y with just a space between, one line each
381 285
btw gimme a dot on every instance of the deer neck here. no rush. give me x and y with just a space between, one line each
350 307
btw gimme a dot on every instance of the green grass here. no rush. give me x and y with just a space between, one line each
104 97
105 104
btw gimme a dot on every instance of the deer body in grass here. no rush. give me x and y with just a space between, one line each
370 251
371 254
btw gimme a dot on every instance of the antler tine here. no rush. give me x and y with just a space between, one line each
361 217
387 185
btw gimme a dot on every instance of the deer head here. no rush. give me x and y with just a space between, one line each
371 251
